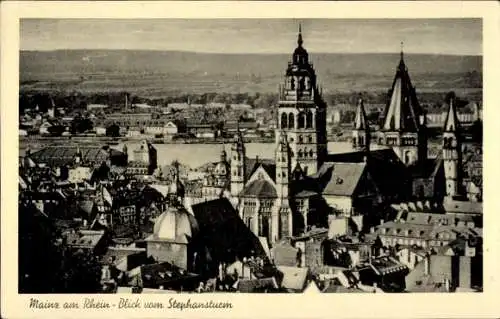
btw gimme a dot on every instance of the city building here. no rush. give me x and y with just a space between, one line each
303 185
142 160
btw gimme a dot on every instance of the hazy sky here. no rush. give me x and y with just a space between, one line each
438 36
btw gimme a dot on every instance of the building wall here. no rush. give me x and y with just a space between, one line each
464 272
169 252
342 203
313 255
391 241
78 174
440 267
133 133
284 255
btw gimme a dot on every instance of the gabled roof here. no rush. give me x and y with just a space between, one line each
341 179
61 155
403 109
260 189
255 285
252 164
381 163
163 274
457 206
294 278
223 231
84 238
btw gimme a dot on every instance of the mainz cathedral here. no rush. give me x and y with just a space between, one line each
305 187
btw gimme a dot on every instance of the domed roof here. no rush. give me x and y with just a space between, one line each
300 55
300 51
175 224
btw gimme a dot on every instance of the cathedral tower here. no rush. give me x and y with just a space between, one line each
283 167
403 127
452 153
361 132
282 218
237 164
302 113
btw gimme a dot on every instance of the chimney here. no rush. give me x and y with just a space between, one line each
372 230
427 262
381 221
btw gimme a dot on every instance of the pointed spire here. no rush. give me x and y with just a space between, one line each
403 109
360 121
299 38
402 61
451 123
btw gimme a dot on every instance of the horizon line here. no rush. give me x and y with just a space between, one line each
242 53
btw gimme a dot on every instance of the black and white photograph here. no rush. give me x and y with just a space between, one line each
291 155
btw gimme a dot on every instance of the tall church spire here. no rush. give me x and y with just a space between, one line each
361 132
452 153
360 121
403 126
451 122
299 38
302 112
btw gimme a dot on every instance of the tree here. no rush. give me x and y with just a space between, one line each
81 125
79 272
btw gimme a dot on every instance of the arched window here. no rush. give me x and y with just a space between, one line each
311 153
284 120
291 120
301 139
310 139
299 154
301 83
302 120
407 157
309 119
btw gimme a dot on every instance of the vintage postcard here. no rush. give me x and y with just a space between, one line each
231 160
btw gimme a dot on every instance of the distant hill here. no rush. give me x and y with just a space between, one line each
157 71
